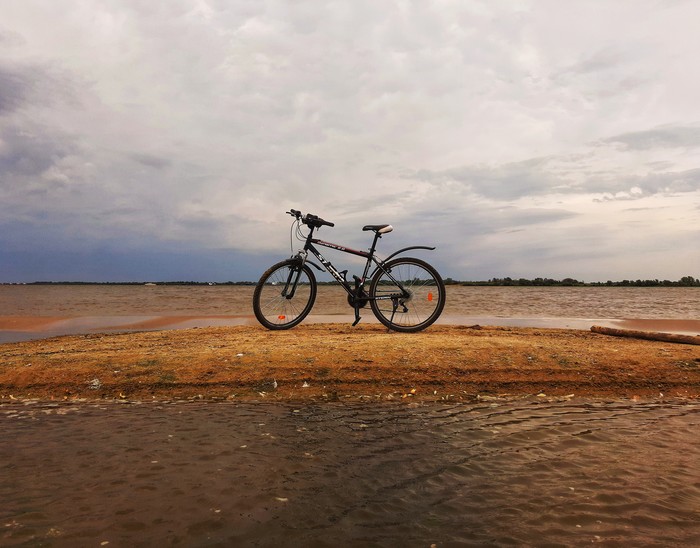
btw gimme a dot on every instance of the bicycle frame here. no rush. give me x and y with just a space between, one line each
340 276
400 291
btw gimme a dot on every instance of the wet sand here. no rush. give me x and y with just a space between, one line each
689 327
19 328
29 323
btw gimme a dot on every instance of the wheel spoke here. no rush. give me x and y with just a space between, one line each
424 303
273 309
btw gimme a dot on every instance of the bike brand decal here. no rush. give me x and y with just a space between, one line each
329 266
334 246
341 248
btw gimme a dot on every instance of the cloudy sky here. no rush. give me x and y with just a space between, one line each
165 139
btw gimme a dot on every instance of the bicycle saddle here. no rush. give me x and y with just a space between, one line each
381 229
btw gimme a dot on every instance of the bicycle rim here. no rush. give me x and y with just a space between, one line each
425 300
271 305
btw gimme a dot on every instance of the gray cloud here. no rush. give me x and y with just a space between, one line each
13 89
28 151
660 137
650 184
567 175
28 84
602 60
150 160
500 182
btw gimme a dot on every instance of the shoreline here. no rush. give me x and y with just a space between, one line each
336 362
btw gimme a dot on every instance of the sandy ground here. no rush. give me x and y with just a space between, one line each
332 362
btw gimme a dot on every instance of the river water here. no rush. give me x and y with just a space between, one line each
37 311
525 473
139 300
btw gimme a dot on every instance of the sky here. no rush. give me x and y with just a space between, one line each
165 140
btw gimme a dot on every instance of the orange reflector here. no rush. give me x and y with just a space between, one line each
281 317
430 296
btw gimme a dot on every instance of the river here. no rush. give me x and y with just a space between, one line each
519 473
35 311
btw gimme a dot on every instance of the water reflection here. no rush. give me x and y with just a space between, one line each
523 473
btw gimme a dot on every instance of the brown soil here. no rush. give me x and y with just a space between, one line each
331 362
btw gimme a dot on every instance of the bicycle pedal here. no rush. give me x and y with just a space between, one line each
357 320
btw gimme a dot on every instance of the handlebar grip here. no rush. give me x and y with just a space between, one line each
314 220
309 219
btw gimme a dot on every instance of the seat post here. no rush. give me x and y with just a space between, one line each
377 235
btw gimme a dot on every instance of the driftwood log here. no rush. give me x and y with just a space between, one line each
648 335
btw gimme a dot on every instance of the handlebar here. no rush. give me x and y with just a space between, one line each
313 221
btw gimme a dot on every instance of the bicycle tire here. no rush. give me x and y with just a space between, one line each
274 310
421 308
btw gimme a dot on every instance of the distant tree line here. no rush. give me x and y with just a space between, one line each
685 281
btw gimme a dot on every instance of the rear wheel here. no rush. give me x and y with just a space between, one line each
408 295
284 295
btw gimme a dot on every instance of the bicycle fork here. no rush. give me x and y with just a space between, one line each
287 292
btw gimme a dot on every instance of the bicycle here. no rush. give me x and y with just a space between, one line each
404 293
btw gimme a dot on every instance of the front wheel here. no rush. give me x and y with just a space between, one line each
284 295
407 294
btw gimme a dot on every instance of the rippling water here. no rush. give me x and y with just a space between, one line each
507 473
569 302
37 311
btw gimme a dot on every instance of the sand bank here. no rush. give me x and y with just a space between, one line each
333 361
